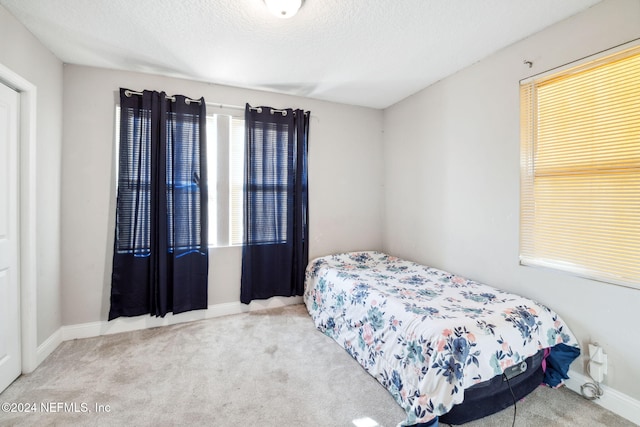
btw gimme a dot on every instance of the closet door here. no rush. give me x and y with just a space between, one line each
10 358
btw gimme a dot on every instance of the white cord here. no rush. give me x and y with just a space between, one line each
591 390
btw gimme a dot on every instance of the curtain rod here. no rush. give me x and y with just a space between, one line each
594 56
216 104
189 100
128 93
238 107
233 107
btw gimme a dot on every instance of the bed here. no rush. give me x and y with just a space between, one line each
428 336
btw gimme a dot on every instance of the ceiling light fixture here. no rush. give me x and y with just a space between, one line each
283 8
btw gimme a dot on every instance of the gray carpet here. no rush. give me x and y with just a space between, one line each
269 368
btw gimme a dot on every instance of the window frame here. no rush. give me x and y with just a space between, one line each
529 139
223 177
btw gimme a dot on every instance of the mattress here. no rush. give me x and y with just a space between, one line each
428 335
498 393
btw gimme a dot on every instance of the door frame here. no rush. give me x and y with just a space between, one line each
27 215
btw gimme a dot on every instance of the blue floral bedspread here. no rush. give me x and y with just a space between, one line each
424 334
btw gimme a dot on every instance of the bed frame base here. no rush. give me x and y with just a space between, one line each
495 395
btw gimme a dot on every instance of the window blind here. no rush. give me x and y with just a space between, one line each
225 153
237 181
580 169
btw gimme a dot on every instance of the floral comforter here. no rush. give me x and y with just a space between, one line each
424 334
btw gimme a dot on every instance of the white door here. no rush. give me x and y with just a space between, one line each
10 364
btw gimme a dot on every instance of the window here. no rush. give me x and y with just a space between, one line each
225 155
134 157
134 187
580 169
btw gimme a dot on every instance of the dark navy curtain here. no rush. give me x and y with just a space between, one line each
160 261
276 233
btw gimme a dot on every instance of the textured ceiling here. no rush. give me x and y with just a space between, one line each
362 52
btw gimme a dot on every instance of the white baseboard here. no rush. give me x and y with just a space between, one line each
127 324
48 346
613 400
95 329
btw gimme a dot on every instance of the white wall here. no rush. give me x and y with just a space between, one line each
448 196
26 56
452 183
345 179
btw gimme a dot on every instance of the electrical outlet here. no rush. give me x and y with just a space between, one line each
597 371
597 362
596 353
